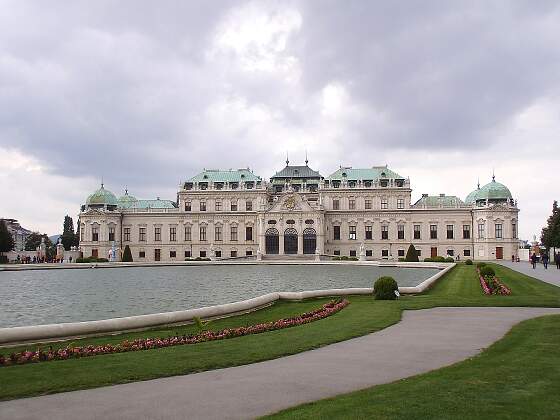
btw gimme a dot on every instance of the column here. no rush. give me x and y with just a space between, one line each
300 243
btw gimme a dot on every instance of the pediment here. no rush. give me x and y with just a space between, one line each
291 202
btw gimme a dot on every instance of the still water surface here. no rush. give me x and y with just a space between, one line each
53 296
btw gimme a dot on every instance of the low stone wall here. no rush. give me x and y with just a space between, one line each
15 335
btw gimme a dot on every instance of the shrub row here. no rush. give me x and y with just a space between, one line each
344 258
69 352
439 259
198 259
490 284
91 260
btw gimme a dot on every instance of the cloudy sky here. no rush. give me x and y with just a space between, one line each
146 94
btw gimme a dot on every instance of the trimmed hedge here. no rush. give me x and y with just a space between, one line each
384 288
468 262
91 260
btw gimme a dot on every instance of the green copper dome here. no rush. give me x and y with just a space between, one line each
127 200
471 198
493 191
102 197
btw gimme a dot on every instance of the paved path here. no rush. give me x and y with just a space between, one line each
424 340
550 275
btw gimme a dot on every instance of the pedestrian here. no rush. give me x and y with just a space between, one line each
513 258
545 260
557 260
534 260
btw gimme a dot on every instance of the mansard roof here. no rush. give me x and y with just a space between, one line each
149 204
363 174
293 171
232 175
441 200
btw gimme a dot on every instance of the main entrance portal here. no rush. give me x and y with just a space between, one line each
309 241
272 242
290 241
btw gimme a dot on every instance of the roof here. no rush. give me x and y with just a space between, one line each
303 171
148 204
491 191
367 174
471 198
232 175
102 196
439 201
126 199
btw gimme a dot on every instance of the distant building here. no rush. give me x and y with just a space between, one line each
19 234
235 213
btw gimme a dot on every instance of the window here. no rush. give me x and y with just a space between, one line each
400 232
400 252
95 233
233 206
248 252
217 233
111 233
417 232
384 203
218 254
172 234
202 232
336 252
233 233
142 254
188 234
336 233
95 253
450 232
433 231
466 231
82 232
202 254
352 204
369 232
203 206
248 233
450 252
419 252
187 254
513 230
218 205
187 206
142 234
157 254
467 252
481 231
352 232
248 205
233 254
499 232
369 253
384 252
172 254
157 234
353 253
400 203
384 232
336 205
127 234
368 204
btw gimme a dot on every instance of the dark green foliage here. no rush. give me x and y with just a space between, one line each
34 240
428 259
550 235
449 259
411 254
6 241
68 237
487 271
91 260
468 262
439 258
480 265
384 288
402 259
127 255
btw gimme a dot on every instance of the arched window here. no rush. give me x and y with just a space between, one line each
290 241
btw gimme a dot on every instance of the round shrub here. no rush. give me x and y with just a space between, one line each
449 259
439 258
428 260
487 271
468 262
384 288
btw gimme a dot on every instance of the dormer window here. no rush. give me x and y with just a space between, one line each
234 185
384 183
399 182
219 185
203 185
352 184
367 184
336 184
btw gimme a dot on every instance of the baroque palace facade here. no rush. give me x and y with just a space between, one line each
354 212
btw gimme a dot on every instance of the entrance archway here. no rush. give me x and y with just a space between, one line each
309 241
290 241
272 242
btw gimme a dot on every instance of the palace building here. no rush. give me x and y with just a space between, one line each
297 213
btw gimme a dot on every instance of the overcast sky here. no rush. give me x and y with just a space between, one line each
148 93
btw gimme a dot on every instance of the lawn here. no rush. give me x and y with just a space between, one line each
517 377
459 287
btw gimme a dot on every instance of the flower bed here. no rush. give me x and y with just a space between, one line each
39 355
491 285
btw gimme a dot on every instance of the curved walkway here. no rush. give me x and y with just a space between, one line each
550 275
424 340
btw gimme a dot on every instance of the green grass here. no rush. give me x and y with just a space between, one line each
364 315
518 377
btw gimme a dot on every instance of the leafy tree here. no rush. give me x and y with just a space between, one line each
6 240
34 240
127 255
411 254
68 237
550 234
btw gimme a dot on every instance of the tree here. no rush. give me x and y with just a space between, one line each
6 241
68 237
34 240
411 254
550 234
127 255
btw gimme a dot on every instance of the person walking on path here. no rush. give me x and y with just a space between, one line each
534 260
557 260
545 261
